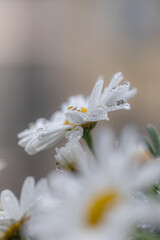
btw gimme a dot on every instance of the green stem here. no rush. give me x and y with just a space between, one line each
88 138
143 235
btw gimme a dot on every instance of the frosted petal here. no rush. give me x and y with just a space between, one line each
27 194
74 117
131 93
74 134
35 145
116 79
95 95
41 187
10 204
149 174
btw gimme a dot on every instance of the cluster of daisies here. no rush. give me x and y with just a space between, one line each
105 189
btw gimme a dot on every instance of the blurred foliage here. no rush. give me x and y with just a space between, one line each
154 146
141 234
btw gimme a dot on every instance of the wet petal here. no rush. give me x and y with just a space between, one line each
27 194
95 95
10 204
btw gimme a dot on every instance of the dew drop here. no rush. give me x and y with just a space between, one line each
126 83
41 132
121 101
127 106
58 167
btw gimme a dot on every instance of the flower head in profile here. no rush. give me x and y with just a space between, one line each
77 115
15 213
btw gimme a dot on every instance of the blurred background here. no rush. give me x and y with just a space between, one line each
52 49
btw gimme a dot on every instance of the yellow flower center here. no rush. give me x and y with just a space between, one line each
142 154
82 110
100 206
67 123
13 231
67 166
145 155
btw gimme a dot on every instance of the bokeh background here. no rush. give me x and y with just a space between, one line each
51 49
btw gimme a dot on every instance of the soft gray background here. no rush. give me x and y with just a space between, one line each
50 49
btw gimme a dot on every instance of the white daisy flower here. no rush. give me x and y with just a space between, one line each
101 202
96 207
77 115
130 144
14 213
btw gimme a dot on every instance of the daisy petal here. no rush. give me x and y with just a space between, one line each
41 187
117 94
131 93
116 79
27 194
125 106
148 175
95 95
74 117
35 146
99 113
10 204
75 133
43 133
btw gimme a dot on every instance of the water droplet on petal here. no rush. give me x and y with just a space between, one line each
127 106
122 101
41 132
126 83
58 167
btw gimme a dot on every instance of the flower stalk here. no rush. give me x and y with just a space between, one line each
88 138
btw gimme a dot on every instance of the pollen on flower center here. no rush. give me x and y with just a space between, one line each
82 110
100 206
67 123
142 154
145 155
13 231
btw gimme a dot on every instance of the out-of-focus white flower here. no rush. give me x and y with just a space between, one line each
14 213
77 115
3 163
130 146
72 157
96 207
105 203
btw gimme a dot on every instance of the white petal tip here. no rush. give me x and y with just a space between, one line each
118 74
100 80
127 106
135 90
30 151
